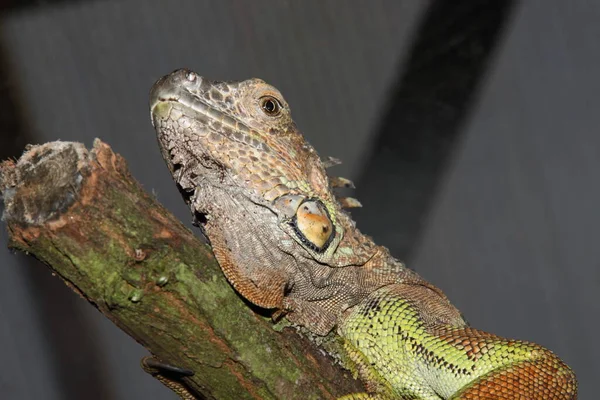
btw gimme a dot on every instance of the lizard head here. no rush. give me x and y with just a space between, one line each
263 197
244 132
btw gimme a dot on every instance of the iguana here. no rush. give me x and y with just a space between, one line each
283 240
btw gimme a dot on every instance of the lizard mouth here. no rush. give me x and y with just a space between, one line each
187 105
188 126
170 88
180 96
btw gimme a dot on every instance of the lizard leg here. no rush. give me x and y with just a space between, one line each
170 376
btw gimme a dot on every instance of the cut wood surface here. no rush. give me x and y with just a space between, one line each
84 215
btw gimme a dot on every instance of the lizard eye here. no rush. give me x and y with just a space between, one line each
270 105
313 225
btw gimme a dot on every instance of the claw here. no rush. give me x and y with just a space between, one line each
278 314
153 366
170 376
339 182
331 162
349 202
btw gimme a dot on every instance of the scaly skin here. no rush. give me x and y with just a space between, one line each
283 241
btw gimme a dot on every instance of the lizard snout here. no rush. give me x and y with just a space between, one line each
169 86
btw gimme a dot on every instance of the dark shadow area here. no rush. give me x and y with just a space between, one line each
71 341
422 123
15 5
13 137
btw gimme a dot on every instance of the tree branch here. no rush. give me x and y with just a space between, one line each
84 215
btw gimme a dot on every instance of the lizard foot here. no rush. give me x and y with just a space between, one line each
170 376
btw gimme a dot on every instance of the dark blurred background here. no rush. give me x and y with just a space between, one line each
471 130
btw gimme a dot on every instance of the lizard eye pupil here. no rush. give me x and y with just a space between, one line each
270 105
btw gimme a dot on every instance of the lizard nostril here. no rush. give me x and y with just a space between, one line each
191 76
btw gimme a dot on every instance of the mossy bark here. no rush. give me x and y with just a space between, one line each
84 215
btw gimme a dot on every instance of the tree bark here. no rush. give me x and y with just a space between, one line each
83 214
